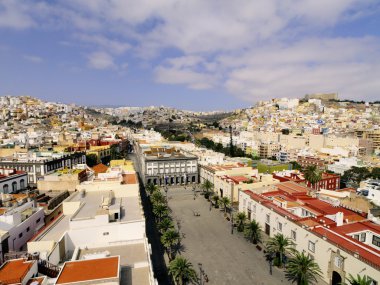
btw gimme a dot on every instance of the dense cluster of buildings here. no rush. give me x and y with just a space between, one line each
70 201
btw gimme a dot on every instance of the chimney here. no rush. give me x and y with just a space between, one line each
339 218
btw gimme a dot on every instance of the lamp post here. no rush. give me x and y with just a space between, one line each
232 220
270 259
166 193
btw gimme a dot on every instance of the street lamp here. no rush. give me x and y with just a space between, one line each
232 220
166 192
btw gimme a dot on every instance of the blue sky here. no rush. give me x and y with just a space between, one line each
197 55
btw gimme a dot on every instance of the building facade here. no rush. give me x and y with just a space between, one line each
341 241
12 180
38 166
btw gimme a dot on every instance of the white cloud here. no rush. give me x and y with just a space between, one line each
113 46
347 66
13 14
32 58
101 60
254 49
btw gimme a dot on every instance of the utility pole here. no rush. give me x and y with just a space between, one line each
231 145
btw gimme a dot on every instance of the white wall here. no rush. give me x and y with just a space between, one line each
15 242
323 248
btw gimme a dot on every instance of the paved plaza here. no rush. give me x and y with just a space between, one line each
226 258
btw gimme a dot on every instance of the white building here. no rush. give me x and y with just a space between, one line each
103 219
339 240
21 222
12 180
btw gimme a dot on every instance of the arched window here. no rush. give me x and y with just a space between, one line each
5 189
22 184
14 186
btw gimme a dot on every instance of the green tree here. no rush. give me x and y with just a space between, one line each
241 217
313 175
280 246
216 199
355 175
207 186
182 271
160 211
253 232
375 173
157 198
91 159
302 269
151 188
165 225
358 280
225 202
296 165
170 239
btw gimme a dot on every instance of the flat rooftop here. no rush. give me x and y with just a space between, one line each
89 270
92 201
130 254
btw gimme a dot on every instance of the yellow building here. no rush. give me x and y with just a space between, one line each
126 165
100 151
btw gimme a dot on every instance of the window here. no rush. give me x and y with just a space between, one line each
38 220
311 246
376 241
5 189
279 226
27 229
20 235
362 237
106 233
14 186
338 261
268 218
356 237
293 235
22 183
254 208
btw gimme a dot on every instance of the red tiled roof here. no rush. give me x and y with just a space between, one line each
358 227
87 270
369 254
100 168
14 271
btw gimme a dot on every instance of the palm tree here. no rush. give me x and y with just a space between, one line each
302 269
182 271
280 246
240 219
253 232
151 188
157 198
160 211
313 175
165 225
169 240
225 202
216 200
207 186
358 280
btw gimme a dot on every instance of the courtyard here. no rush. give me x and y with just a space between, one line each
226 258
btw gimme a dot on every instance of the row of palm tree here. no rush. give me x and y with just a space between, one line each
180 269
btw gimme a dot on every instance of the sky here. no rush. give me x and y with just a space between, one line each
190 54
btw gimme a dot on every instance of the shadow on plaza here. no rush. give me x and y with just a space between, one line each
158 260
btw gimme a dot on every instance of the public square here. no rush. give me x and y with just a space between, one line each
226 258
